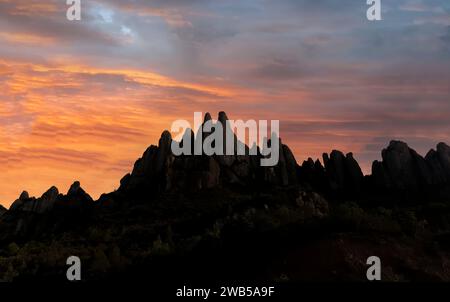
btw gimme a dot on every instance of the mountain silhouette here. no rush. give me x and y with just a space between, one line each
226 217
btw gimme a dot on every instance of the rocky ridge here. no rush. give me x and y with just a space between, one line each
159 171
229 206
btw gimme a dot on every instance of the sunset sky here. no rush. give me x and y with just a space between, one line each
83 100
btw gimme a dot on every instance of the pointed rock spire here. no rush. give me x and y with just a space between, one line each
74 188
207 117
223 118
2 210
76 197
165 140
443 151
51 193
24 196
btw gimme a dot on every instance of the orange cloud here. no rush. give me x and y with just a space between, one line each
32 7
61 122
24 38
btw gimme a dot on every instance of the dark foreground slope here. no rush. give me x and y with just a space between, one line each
212 218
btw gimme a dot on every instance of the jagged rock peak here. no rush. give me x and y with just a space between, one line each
398 146
318 164
325 158
166 138
24 199
24 196
51 193
222 117
40 205
342 171
207 117
76 196
74 188
403 168
443 151
336 154
398 153
443 147
166 134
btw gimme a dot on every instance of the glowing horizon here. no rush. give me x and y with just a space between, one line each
83 100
